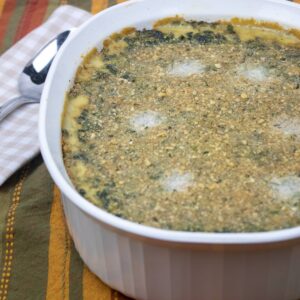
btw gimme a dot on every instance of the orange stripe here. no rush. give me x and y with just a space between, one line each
59 253
98 5
2 2
94 288
32 17
7 12
9 238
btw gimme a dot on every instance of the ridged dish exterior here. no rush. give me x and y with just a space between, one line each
144 269
159 265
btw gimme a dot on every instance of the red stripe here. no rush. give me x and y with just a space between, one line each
8 9
33 16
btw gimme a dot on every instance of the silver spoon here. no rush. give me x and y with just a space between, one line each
31 80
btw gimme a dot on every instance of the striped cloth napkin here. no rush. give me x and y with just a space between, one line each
19 131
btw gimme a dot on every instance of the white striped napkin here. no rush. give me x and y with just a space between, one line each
19 131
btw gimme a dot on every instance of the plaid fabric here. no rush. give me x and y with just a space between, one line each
18 132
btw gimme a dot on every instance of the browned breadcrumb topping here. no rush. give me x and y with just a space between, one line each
191 126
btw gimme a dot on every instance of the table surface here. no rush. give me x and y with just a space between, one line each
38 259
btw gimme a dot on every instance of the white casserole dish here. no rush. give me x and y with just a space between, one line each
149 263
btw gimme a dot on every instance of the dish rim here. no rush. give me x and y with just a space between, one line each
126 226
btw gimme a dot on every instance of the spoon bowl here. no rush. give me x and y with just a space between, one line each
31 80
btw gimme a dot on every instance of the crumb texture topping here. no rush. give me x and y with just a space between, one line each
190 126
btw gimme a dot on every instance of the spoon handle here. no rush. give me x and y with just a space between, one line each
12 104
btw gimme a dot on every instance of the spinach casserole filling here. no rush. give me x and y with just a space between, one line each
189 126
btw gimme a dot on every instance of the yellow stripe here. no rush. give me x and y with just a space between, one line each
120 1
59 253
9 238
94 288
2 2
98 5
